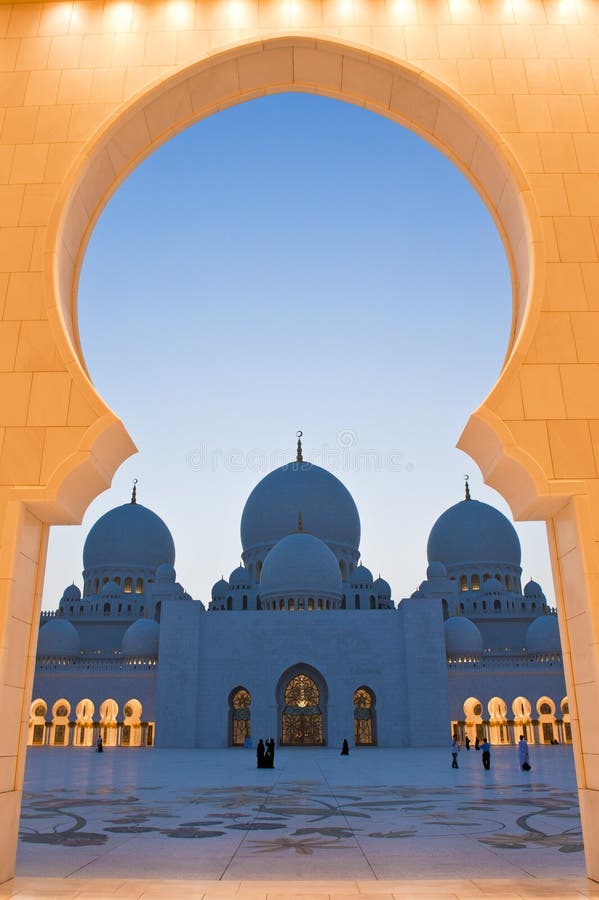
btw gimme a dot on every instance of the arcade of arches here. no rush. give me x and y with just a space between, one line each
62 726
540 723
508 91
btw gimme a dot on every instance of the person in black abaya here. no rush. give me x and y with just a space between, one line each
260 755
269 756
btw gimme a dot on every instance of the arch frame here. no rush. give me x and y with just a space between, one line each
309 63
90 460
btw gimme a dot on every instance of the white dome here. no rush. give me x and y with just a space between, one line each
165 572
381 588
141 639
300 564
533 589
129 536
492 586
220 589
239 577
462 637
436 570
327 508
473 532
361 575
58 637
110 589
72 593
542 635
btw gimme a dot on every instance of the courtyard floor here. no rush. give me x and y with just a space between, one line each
385 823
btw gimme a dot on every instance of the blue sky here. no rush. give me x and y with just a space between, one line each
294 263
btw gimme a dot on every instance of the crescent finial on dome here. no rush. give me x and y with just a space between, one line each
299 457
134 493
300 524
466 479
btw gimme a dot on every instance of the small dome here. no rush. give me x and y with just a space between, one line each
110 589
71 592
129 536
300 564
239 577
462 637
533 589
492 586
417 595
165 572
542 635
187 597
473 532
58 637
436 570
381 588
361 575
327 508
220 589
141 639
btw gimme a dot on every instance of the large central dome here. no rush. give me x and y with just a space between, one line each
131 536
327 508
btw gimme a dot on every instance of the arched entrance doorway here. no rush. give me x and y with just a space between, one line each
37 723
364 717
84 726
240 719
302 705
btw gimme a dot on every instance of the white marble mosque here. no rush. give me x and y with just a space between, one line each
301 642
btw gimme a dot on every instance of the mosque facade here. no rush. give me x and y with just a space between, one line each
301 642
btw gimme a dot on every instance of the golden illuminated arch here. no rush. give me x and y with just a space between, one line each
364 730
240 718
302 717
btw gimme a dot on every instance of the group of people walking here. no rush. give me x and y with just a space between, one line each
265 754
485 748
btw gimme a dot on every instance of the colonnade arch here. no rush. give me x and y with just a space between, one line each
533 435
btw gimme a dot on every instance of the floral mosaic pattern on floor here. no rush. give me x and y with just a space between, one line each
294 826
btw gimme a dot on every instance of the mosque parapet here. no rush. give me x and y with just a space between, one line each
506 662
95 665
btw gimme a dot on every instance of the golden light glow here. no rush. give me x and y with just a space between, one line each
346 8
457 8
61 16
566 8
179 13
237 12
120 15
403 11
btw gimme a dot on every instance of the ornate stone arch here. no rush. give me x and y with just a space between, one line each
510 444
293 698
240 716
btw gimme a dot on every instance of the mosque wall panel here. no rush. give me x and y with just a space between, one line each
255 649
427 707
183 696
